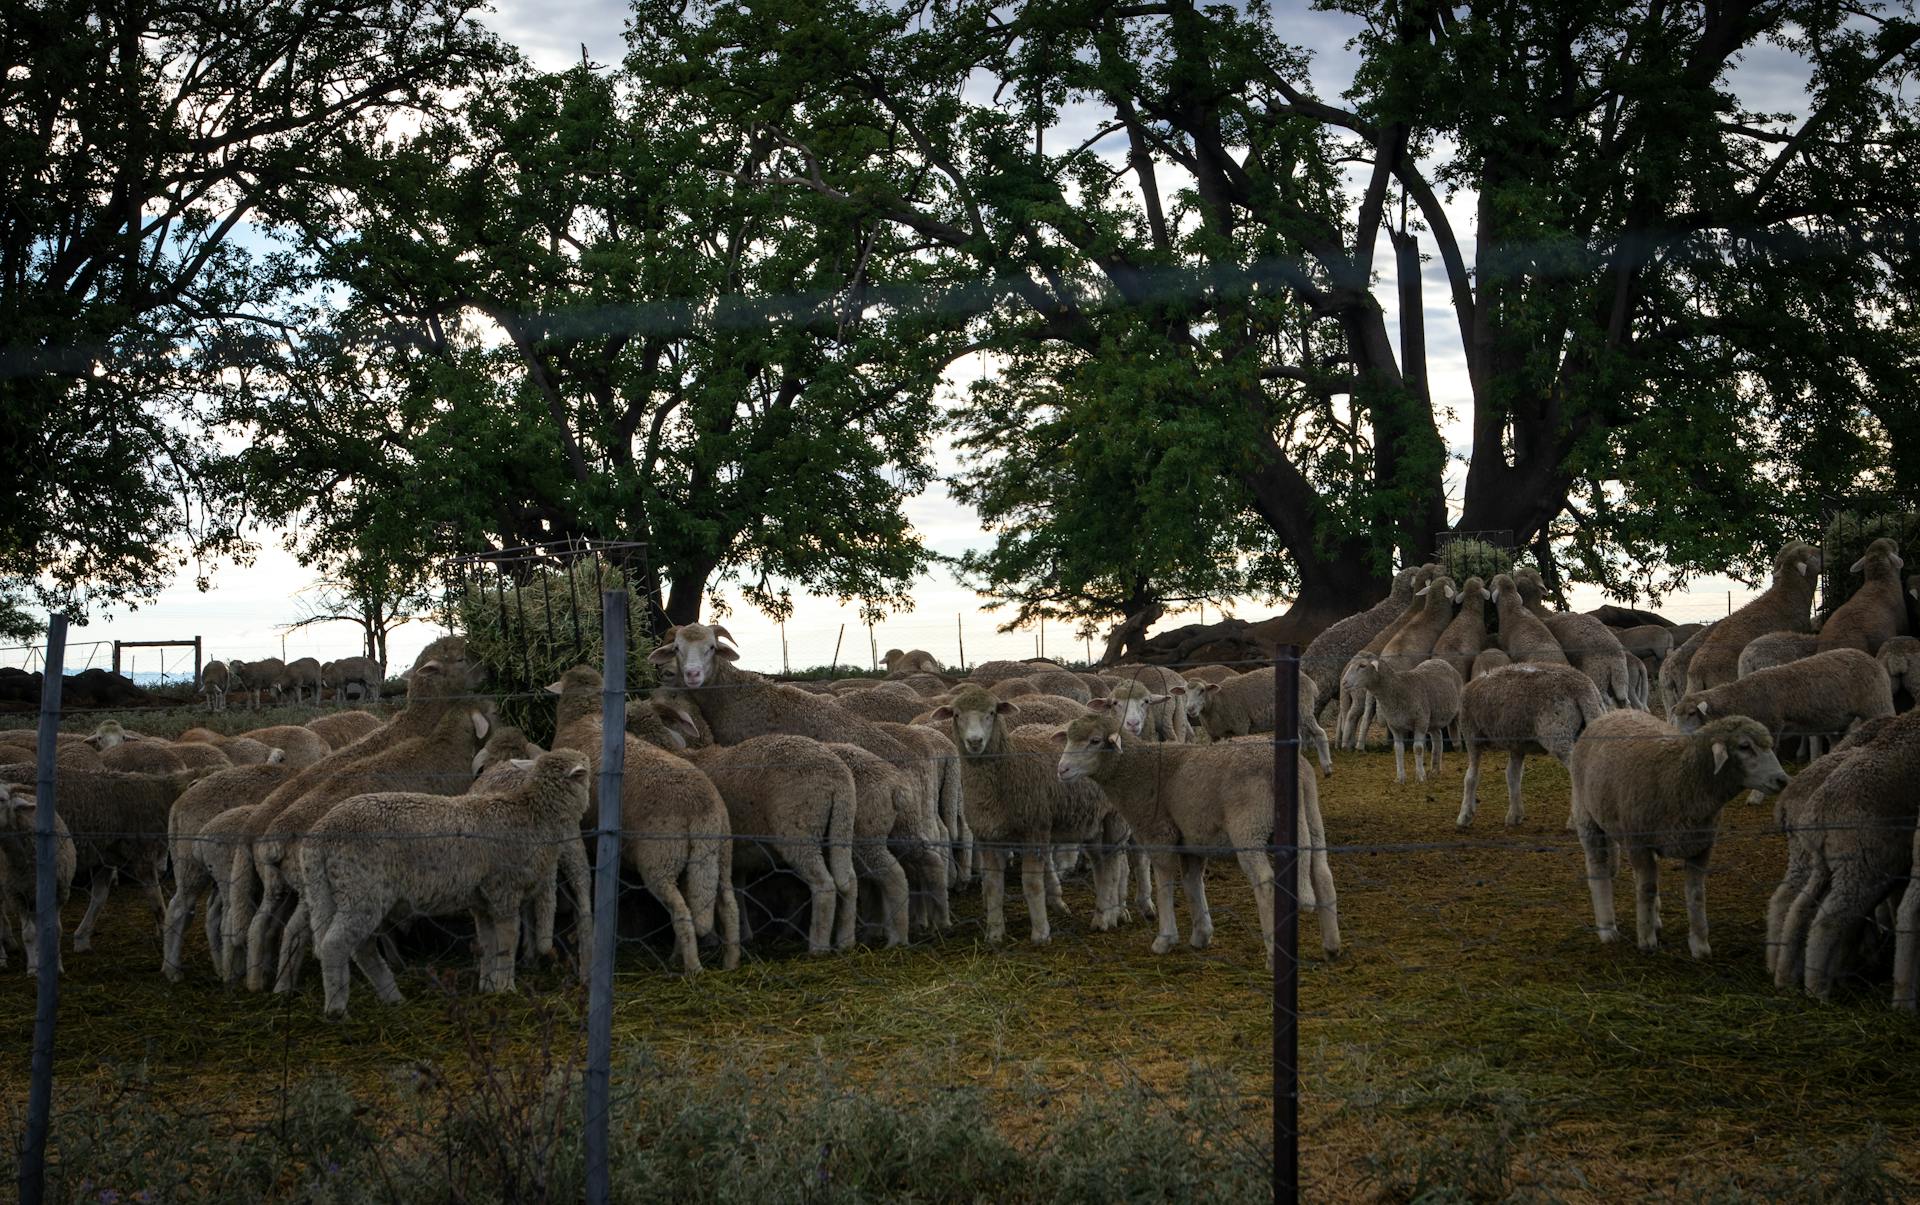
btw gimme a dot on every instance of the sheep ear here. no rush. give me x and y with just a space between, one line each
942 712
1719 755
1101 704
725 653
1423 591
1858 565
1802 567
1005 708
1156 700
1702 705
276 756
576 770
659 656
1176 690
520 763
480 725
1212 688
93 740
1897 562
1113 741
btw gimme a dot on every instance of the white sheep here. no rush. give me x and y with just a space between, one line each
214 680
19 870
482 855
1587 643
1815 697
1642 785
1785 606
1775 648
1877 611
1522 709
1416 705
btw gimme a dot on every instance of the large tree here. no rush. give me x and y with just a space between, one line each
143 148
1658 289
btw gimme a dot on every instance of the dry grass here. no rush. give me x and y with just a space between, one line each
1475 1031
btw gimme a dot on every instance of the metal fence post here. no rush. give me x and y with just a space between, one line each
33 1158
1286 926
606 891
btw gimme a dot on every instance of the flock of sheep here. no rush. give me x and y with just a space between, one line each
351 679
883 797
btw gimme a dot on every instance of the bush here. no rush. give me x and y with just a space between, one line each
1847 536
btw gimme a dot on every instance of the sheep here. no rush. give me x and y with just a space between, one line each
1326 656
1877 611
1822 694
492 765
214 680
926 685
1801 823
739 705
1466 637
1169 692
1853 836
341 728
1184 800
1650 642
1900 657
902 665
938 761
482 854
193 755
20 871
303 746
1522 635
988 672
299 676
1417 704
790 801
239 751
1209 673
118 822
1642 784
203 866
1775 648
1487 661
1673 670
1784 607
883 806
681 843
1414 642
257 676
1638 689
348 673
878 706
442 678
1356 707
1244 705
133 753
1097 687
1522 709
1589 645
1048 711
1016 803
1013 688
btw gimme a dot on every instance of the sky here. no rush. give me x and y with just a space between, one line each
246 612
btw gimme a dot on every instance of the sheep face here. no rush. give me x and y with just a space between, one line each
1883 550
694 652
1798 557
1741 748
1197 700
107 735
973 714
444 670
1131 704
1089 745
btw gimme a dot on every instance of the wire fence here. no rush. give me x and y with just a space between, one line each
1079 1024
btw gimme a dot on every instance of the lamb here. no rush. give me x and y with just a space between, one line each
119 827
681 842
1877 612
341 728
303 746
1326 657
1017 803
1900 657
1356 706
1487 661
1776 648
20 870
938 762
1466 637
1673 670
300 676
482 854
1589 645
131 753
1641 784
1184 800
214 680
362 675
1169 692
1522 709
1416 704
1784 607
1522 635
902 665
1855 831
1822 694
203 867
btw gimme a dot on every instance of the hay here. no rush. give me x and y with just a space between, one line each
1463 559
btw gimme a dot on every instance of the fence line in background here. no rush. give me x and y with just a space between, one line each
46 905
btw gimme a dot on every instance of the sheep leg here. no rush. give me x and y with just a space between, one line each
823 892
1055 900
1516 802
1311 724
1850 898
293 948
1421 739
1799 870
685 944
97 890
1646 895
1167 864
1790 963
993 890
215 913
1696 871
1326 903
190 886
1470 790
1367 710
1106 898
1399 758
341 939
149 876
1906 948
266 919
891 878
726 908
1600 862
1437 746
1143 865
1194 869
505 925
573 863
1259 869
846 916
1034 865
30 938
545 906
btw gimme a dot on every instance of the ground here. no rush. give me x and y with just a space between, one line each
1473 1034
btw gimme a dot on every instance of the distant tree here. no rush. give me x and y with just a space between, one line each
1659 290
146 146
565 316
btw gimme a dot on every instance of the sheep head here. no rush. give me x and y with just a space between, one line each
1088 746
444 670
974 714
1130 703
1746 745
1798 557
694 652
107 735
1885 552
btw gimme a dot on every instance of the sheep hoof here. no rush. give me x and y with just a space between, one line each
1201 939
1162 944
1650 945
1700 947
1041 939
1609 935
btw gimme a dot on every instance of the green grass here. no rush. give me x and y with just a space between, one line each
1474 1042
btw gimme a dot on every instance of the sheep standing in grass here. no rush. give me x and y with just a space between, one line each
20 871
1522 636
1017 803
359 677
1816 697
1877 611
202 869
1244 705
1646 787
258 677
300 678
1416 705
377 856
214 680
1786 606
1182 801
1522 709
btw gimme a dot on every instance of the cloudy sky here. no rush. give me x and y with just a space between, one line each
243 615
